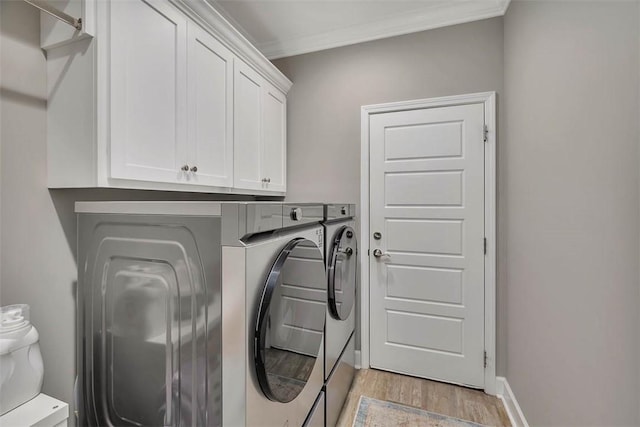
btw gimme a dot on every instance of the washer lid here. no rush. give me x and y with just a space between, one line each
343 263
290 320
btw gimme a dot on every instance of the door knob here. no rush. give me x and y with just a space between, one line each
378 253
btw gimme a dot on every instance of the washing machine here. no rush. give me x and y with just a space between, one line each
273 362
341 249
201 314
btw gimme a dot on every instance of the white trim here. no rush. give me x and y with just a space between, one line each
202 12
151 208
358 360
433 16
490 200
364 237
235 24
489 101
182 207
504 392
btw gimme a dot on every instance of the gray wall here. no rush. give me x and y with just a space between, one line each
330 87
570 163
37 264
568 204
38 226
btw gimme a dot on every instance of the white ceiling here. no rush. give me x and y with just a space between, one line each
282 28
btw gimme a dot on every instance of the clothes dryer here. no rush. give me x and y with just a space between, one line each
341 250
278 280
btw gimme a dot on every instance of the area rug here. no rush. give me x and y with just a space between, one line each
379 413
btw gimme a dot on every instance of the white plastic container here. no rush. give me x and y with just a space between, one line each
21 368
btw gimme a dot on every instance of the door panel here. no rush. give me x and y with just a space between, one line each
148 91
424 332
274 138
427 200
425 284
210 110
424 188
407 142
247 127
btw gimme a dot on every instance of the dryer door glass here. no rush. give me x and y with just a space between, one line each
342 273
290 320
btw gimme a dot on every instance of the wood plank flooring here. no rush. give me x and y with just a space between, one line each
445 399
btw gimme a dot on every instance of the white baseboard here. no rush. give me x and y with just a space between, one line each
358 359
505 394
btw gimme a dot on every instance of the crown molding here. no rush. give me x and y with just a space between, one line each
234 23
435 16
203 12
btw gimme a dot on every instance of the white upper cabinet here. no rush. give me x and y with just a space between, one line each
148 91
274 132
248 128
260 132
210 150
166 96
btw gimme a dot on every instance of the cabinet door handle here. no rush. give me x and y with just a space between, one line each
268 179
194 169
185 168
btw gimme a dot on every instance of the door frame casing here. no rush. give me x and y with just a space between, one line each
489 101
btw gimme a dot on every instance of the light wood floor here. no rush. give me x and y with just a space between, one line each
445 399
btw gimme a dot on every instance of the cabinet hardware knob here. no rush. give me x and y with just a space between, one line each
185 168
268 179
264 180
194 169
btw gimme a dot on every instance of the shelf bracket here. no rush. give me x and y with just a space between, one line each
44 6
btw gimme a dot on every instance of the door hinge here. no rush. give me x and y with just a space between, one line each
485 358
485 245
486 133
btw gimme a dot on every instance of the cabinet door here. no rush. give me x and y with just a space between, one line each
274 138
148 91
210 153
247 128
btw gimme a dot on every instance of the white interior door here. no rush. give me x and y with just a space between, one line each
427 203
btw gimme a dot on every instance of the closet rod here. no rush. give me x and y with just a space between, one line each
44 6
